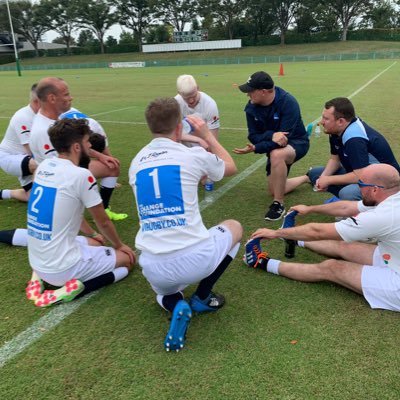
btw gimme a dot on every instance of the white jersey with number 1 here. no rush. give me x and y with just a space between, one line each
164 176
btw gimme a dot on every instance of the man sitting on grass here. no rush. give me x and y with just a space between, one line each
368 269
177 249
60 193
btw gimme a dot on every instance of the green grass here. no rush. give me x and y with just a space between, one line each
111 347
273 50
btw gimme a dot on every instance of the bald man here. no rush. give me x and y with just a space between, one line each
368 269
55 99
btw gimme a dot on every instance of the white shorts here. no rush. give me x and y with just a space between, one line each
172 272
381 284
95 261
11 164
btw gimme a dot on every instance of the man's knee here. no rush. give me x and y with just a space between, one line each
314 173
331 268
236 229
350 192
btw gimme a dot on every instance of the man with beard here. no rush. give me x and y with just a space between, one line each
368 269
60 193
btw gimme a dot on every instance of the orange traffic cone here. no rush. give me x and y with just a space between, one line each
281 70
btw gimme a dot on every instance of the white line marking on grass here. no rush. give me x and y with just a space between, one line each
16 345
112 111
56 315
102 121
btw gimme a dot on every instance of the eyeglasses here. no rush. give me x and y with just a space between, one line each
361 184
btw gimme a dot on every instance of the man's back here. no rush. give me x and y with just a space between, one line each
18 131
165 177
59 195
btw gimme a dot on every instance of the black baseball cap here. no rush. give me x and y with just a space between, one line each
259 80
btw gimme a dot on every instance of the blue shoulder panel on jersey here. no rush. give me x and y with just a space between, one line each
73 115
354 130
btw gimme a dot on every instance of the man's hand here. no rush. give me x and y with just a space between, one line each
264 233
127 250
110 162
301 209
200 128
98 237
248 149
280 138
322 183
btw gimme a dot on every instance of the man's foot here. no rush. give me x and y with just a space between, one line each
275 212
212 302
34 287
289 220
254 256
176 336
115 216
63 295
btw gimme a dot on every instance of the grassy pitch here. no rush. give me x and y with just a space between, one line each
275 338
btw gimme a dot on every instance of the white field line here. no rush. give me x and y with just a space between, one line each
57 314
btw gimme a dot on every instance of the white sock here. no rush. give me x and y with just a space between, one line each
20 237
273 266
233 251
159 298
300 243
6 194
120 273
109 182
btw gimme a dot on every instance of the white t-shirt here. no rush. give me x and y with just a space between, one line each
164 176
381 222
93 124
60 193
206 108
40 144
18 131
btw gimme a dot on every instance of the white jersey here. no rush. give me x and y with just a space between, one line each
164 176
381 222
206 109
40 144
60 193
95 126
18 131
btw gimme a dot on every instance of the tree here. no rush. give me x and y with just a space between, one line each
258 16
62 18
159 34
347 11
85 38
381 15
224 12
283 12
28 19
97 16
175 12
136 15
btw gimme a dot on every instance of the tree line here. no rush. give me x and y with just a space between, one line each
86 22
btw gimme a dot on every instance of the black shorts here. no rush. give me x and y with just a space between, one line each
300 147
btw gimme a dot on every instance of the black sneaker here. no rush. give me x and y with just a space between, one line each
276 211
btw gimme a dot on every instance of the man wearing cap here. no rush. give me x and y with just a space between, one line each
275 127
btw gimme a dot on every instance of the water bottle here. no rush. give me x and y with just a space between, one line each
317 132
209 186
186 127
290 248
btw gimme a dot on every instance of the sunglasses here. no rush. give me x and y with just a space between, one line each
361 184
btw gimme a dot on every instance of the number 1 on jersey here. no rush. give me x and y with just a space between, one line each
156 185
